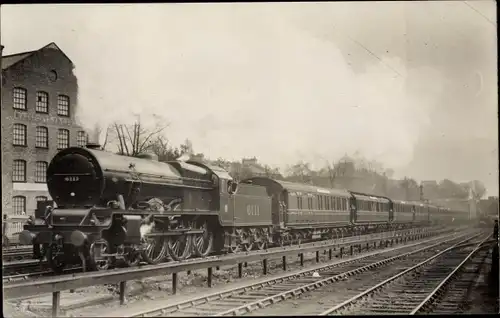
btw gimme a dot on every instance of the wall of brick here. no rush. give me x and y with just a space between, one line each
34 74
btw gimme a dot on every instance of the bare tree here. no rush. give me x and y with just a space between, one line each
301 172
137 138
160 146
334 170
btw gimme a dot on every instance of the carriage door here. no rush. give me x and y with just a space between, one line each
283 199
282 207
352 208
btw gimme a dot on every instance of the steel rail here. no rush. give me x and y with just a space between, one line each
308 287
434 294
391 279
162 309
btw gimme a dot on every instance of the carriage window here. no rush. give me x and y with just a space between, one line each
299 203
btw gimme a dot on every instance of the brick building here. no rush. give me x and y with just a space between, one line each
39 102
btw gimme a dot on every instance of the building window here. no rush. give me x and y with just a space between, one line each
63 105
62 138
19 135
42 102
19 204
81 139
41 172
42 137
41 198
19 98
19 171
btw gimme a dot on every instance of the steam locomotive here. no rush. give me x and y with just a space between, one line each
114 210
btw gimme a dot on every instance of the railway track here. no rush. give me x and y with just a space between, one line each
243 300
18 253
452 295
414 289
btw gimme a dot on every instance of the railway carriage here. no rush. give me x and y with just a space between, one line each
371 209
404 212
421 212
304 211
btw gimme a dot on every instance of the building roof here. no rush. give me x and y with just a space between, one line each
10 60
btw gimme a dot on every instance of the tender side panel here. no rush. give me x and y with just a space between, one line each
252 206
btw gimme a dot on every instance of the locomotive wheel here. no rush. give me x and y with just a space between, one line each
155 251
297 238
234 248
261 242
285 240
179 247
247 246
203 242
56 258
97 262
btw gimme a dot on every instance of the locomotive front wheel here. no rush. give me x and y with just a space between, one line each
96 261
55 256
203 242
155 251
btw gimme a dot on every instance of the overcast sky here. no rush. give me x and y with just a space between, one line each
410 84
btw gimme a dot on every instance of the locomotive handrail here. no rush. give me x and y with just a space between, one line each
15 218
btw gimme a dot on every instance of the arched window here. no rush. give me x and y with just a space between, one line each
19 204
19 171
81 139
42 102
19 135
63 105
42 137
41 172
19 98
62 138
